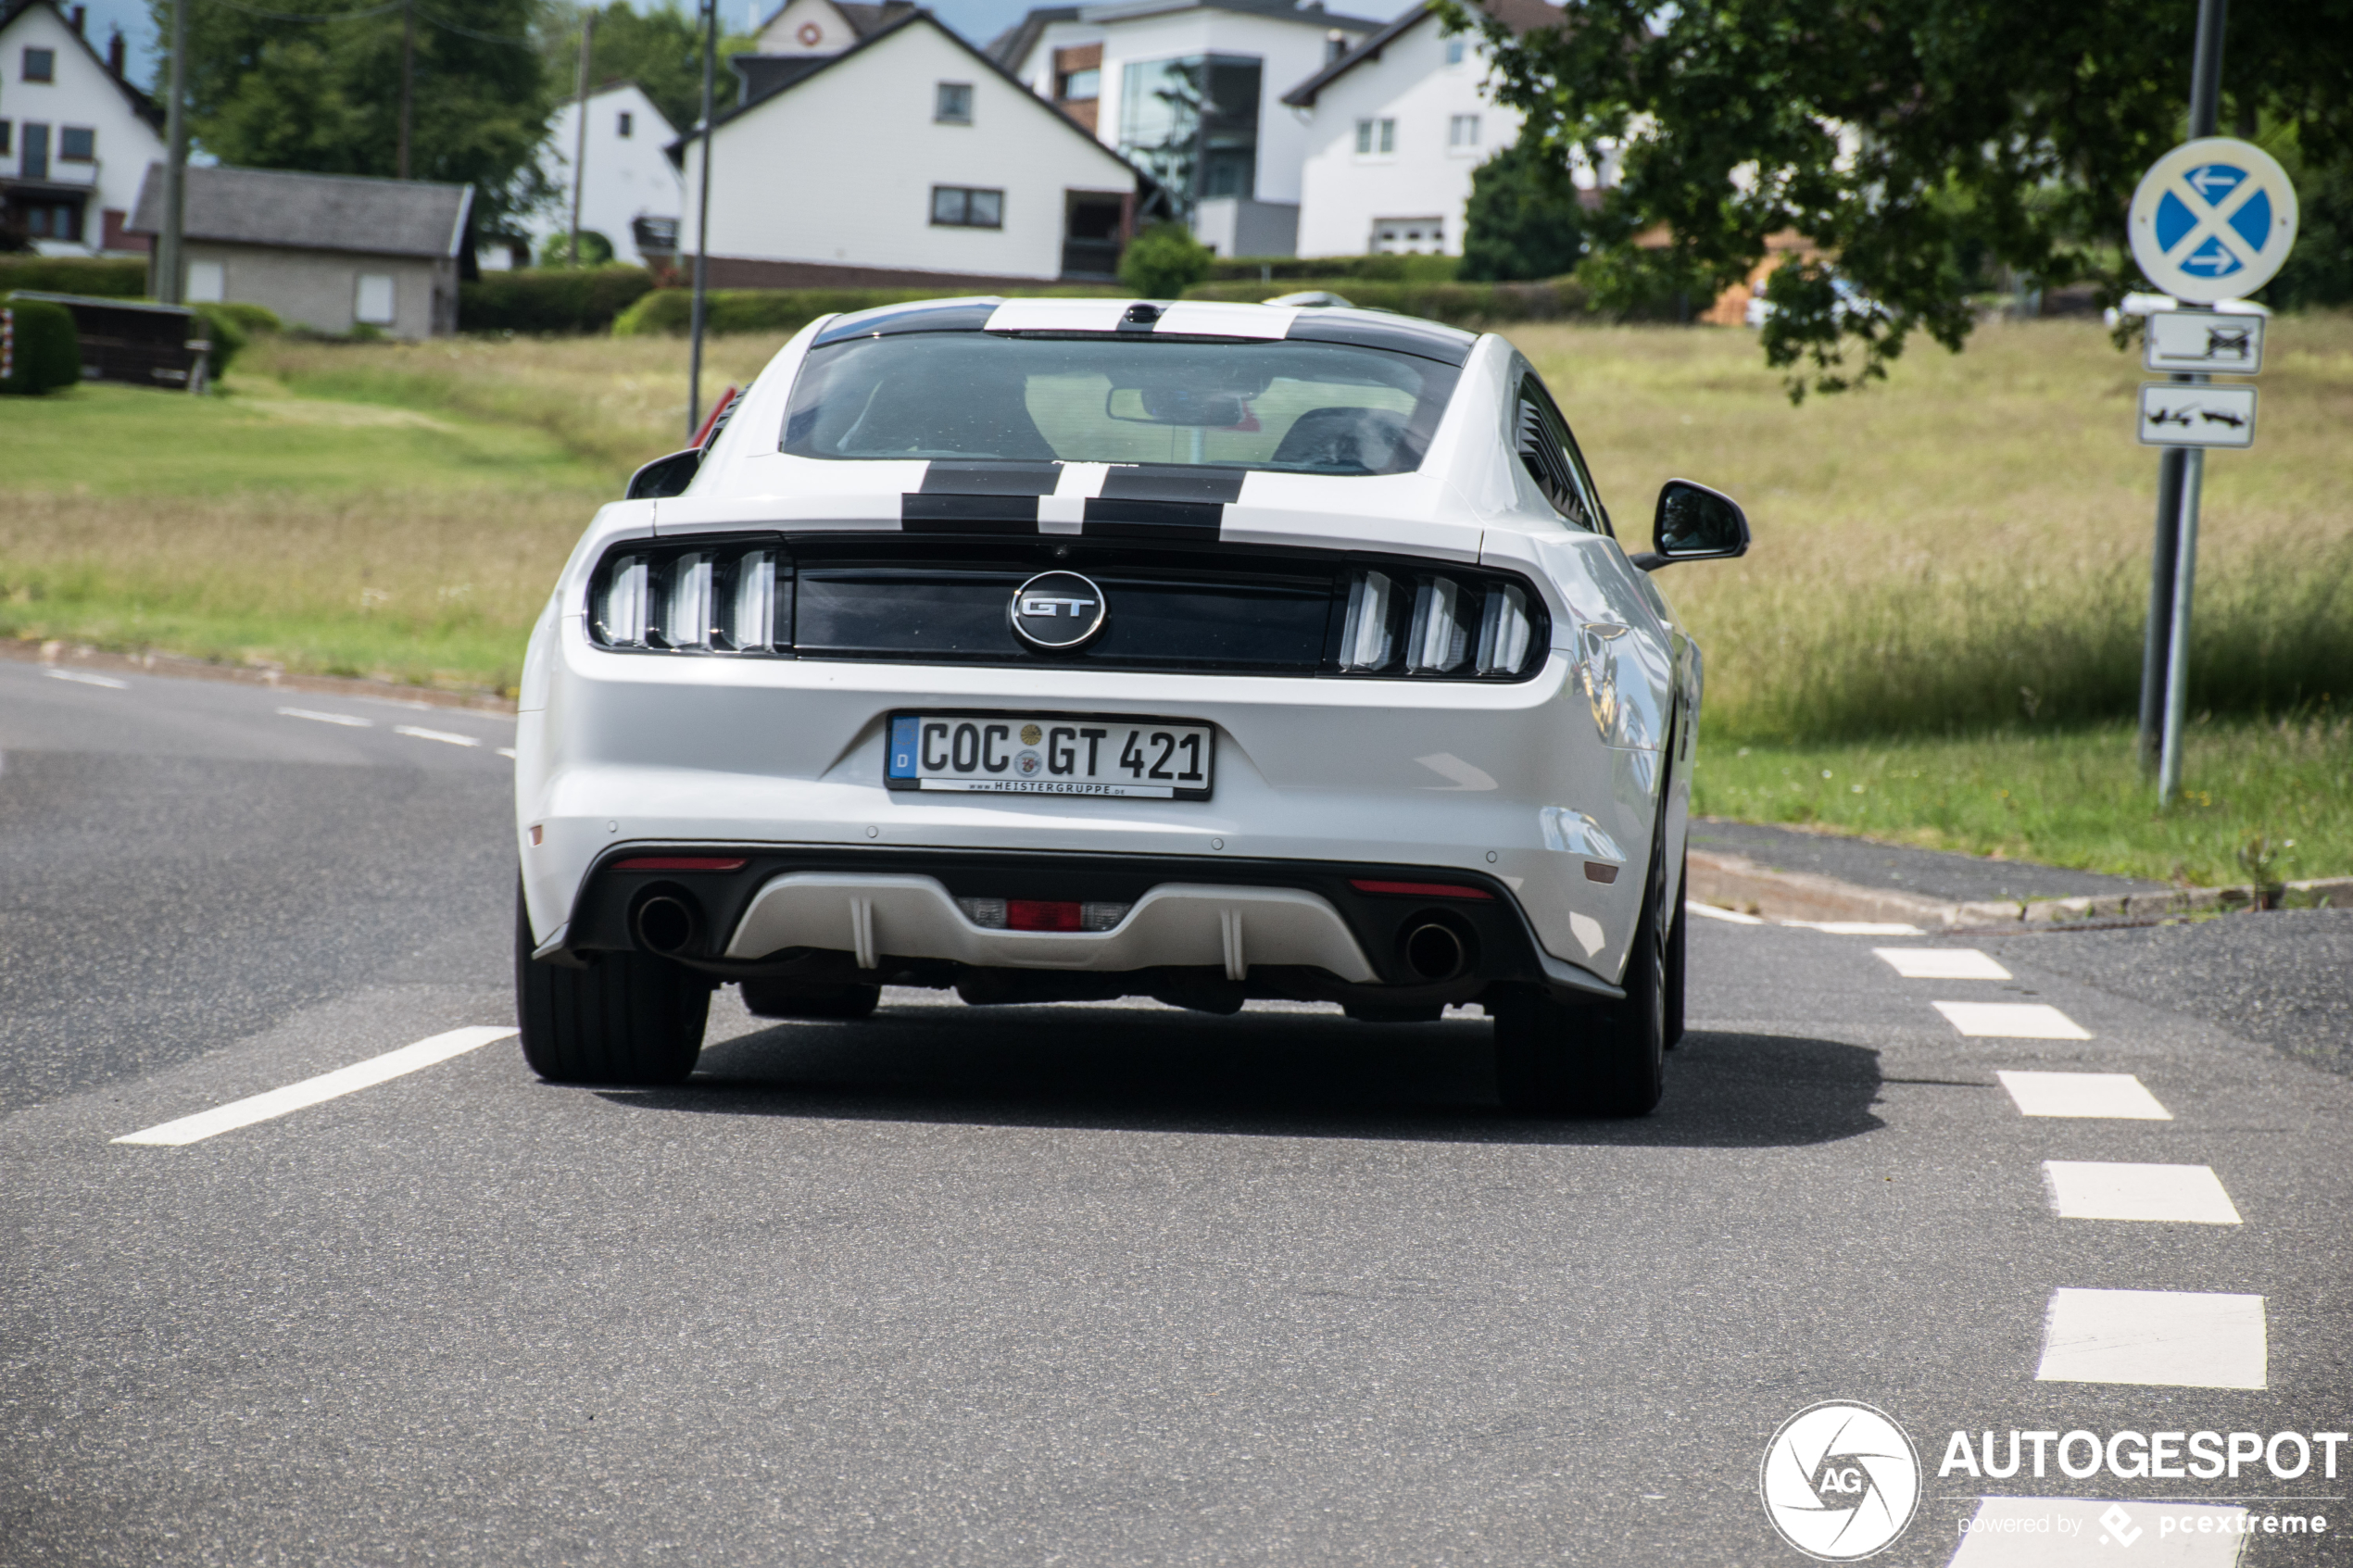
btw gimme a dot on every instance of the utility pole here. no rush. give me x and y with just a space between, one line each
170 271
580 142
702 220
2180 473
407 78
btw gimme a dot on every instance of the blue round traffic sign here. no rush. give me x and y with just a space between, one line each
2214 218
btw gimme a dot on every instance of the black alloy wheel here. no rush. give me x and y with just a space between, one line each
620 1018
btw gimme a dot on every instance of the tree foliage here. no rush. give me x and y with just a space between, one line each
324 96
658 48
1898 136
1164 261
1523 220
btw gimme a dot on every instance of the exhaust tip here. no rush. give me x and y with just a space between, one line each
668 925
1434 950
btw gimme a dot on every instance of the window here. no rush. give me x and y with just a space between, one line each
40 65
7 129
1462 131
1409 236
954 207
1300 407
1192 123
1551 458
627 126
208 284
1456 49
374 301
954 103
1375 136
53 220
1080 86
77 144
35 162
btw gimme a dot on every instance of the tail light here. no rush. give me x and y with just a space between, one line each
701 599
1451 624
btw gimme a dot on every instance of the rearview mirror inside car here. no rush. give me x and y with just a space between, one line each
1694 524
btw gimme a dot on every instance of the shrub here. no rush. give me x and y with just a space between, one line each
671 311
1523 220
1461 304
254 319
45 352
556 299
225 332
104 276
1164 261
1323 268
595 249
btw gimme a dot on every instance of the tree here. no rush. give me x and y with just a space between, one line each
1164 261
660 49
1523 220
324 95
1894 135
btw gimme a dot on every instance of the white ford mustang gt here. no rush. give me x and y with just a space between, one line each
1056 649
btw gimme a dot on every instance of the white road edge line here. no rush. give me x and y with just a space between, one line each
2157 1338
2011 1020
508 752
446 737
84 677
1857 927
351 719
1943 963
311 1091
1711 912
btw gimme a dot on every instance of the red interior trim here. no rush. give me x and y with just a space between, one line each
680 863
1419 889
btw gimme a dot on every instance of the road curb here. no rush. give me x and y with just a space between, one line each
1735 882
81 656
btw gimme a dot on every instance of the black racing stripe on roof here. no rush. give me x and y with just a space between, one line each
1109 518
1172 482
888 320
946 477
968 514
1401 335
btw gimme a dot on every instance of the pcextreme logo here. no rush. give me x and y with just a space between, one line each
1840 1481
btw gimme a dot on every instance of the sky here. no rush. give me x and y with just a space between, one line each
978 20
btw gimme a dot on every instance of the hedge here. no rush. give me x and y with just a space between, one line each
106 276
1459 304
550 299
672 312
1381 268
45 353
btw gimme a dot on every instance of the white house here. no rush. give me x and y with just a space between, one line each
75 137
1394 129
1191 91
908 159
629 191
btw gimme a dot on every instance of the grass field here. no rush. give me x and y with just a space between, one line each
1945 595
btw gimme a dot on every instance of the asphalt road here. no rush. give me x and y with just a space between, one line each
1073 1284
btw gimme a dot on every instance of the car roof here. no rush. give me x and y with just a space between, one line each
1189 319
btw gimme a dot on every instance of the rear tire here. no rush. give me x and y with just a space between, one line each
1677 965
623 1018
779 999
1561 1059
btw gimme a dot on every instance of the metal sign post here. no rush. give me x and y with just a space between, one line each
2213 221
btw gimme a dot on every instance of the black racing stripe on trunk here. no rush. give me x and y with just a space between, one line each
1172 482
1109 517
968 514
944 478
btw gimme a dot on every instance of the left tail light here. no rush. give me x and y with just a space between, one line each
732 597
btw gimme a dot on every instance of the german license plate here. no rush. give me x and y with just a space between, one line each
1049 754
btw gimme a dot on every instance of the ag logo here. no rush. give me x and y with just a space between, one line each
1057 609
1840 1481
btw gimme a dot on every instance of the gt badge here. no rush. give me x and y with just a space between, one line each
1056 610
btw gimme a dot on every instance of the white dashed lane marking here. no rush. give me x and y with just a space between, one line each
2189 1195
353 720
2159 1338
2118 1097
84 678
1941 963
508 752
2011 1020
311 1091
446 737
2068 1532
1711 912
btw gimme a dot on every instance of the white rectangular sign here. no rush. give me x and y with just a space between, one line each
2203 340
2184 414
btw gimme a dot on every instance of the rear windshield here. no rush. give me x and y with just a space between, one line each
1302 407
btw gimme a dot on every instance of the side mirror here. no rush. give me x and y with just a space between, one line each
1694 524
665 476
